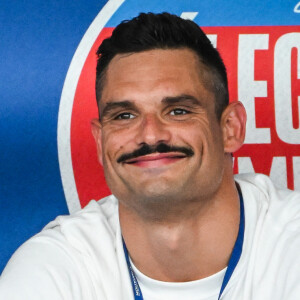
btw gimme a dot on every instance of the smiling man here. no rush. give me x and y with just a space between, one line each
178 225
160 109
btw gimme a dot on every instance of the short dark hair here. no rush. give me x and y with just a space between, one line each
150 31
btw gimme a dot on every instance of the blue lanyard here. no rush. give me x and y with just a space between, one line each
234 258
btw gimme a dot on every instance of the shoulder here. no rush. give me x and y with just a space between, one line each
273 219
56 263
91 226
272 238
282 205
97 215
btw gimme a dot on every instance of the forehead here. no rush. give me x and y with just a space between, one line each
153 73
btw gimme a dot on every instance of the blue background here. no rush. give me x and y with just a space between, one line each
38 40
218 12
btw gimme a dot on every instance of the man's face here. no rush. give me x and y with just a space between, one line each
152 102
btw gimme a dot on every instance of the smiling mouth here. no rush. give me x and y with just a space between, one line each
155 159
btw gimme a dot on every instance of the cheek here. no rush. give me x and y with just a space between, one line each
115 142
204 137
194 133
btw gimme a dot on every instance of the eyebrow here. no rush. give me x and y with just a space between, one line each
181 99
111 106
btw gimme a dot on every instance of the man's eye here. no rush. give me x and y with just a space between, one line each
124 116
178 111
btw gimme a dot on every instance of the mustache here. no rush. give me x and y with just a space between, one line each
149 149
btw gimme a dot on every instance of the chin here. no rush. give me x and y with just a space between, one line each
160 196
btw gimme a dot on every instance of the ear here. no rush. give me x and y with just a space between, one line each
233 123
97 134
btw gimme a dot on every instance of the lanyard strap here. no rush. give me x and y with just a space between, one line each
238 246
234 258
135 285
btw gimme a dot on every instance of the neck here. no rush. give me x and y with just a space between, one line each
184 248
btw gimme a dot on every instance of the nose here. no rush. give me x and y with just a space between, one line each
153 131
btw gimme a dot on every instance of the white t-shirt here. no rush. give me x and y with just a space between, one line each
81 256
203 289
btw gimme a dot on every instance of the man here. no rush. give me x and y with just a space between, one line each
179 225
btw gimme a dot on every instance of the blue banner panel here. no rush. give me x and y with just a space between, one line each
38 41
218 13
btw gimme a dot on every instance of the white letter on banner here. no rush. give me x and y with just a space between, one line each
189 15
282 87
296 167
248 88
213 39
245 165
278 172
